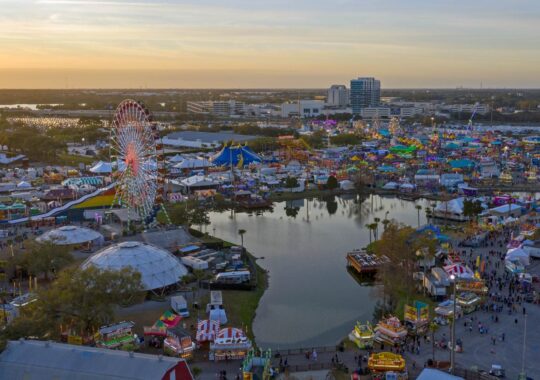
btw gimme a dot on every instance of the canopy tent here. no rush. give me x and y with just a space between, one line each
235 155
94 181
458 270
24 185
391 186
101 167
387 169
454 206
462 164
194 163
176 158
518 254
403 149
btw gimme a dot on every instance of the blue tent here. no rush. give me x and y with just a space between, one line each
236 156
462 164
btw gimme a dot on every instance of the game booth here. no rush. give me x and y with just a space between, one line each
384 365
362 335
230 344
416 318
166 333
114 336
207 331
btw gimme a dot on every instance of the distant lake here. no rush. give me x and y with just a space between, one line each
33 107
312 300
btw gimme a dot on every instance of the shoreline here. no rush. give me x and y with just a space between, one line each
243 304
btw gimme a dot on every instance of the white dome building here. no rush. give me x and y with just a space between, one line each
158 268
71 235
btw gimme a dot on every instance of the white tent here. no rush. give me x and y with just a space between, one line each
390 186
158 268
176 158
24 185
71 235
346 185
454 206
101 167
194 163
518 254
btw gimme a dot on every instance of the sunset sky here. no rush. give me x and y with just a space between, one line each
273 43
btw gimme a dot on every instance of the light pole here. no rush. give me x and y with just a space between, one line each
523 375
453 336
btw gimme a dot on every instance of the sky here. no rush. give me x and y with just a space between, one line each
270 44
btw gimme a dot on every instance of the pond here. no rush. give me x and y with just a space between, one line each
311 300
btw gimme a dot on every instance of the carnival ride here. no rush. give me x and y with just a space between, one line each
362 335
138 161
294 149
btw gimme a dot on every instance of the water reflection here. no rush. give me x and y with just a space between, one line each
311 299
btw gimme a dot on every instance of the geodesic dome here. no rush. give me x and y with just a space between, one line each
71 235
158 268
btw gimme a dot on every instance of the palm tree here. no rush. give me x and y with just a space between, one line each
376 222
418 208
372 227
385 223
241 232
368 226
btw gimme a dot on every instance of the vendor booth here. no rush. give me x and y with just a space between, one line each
230 344
116 335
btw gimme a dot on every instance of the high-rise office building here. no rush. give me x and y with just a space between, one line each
365 92
337 96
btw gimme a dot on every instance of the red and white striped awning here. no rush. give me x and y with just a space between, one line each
459 270
230 335
207 330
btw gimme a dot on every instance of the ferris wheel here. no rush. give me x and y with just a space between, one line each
137 161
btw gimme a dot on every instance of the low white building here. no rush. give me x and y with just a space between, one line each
303 108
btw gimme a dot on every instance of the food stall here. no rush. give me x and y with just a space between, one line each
383 363
178 343
445 310
473 285
468 302
362 335
416 318
230 344
390 330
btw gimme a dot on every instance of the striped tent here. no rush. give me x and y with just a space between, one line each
459 270
207 330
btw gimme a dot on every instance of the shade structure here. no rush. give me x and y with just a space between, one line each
101 167
158 268
193 163
71 235
458 270
236 156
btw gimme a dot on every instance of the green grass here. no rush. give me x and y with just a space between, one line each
241 305
73 160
